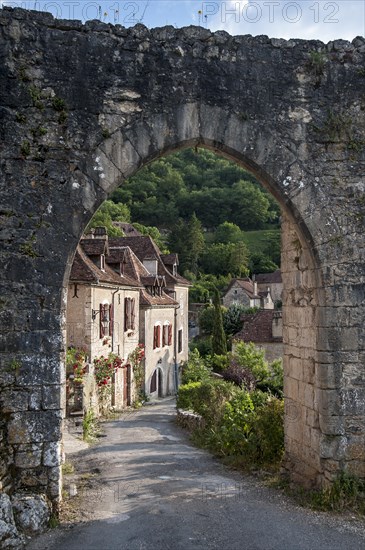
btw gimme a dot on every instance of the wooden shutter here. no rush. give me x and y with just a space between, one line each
158 336
101 315
169 338
126 314
154 337
111 320
133 313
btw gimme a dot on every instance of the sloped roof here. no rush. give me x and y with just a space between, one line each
170 259
267 278
94 247
147 299
146 249
246 284
84 270
258 327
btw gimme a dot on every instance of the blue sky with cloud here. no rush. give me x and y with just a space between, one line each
318 19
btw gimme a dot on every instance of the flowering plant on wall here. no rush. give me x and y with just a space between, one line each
105 367
135 359
75 363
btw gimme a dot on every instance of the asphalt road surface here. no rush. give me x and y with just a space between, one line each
143 486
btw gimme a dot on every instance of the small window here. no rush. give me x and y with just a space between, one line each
102 262
180 341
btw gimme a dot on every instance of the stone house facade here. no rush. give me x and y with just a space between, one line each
273 281
97 305
265 330
163 314
246 292
118 299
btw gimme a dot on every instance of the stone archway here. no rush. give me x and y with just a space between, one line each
85 106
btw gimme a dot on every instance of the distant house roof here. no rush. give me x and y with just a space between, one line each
258 327
246 284
269 278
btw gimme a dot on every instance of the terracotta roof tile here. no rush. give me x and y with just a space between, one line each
258 327
94 247
267 278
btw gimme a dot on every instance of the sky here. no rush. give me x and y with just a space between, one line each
308 19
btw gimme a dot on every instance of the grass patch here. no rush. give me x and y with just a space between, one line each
347 493
68 468
90 427
257 241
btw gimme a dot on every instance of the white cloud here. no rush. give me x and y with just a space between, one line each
292 19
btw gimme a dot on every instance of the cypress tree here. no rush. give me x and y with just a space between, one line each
219 342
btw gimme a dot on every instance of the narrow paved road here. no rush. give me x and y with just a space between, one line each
152 490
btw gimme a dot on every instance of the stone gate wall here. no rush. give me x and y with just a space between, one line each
83 107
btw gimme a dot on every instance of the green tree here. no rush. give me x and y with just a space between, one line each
228 232
107 214
219 343
224 259
154 233
188 241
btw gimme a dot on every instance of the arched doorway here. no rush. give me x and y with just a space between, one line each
141 94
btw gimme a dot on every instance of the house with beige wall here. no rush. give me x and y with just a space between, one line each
96 310
124 292
163 313
265 329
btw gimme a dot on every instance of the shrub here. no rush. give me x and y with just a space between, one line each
195 369
252 358
240 376
267 441
186 396
203 345
211 398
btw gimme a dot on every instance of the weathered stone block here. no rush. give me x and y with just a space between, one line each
32 427
9 536
31 513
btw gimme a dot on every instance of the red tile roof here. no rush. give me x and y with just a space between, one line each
258 327
145 249
267 278
84 270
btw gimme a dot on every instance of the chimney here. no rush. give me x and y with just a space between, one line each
255 288
100 233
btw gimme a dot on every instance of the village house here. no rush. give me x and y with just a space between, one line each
246 292
265 330
274 282
163 314
118 299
